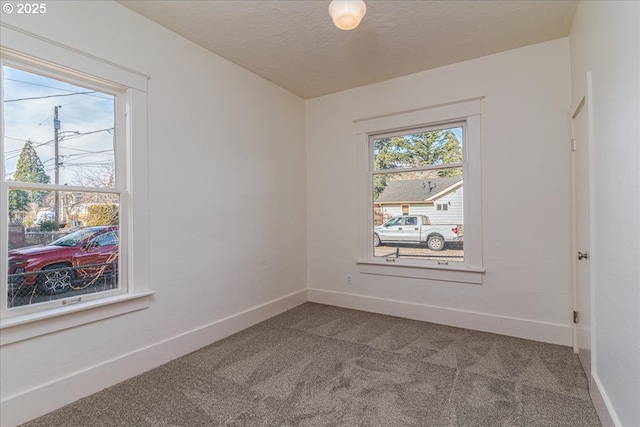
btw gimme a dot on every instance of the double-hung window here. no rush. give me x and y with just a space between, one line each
420 193
64 149
73 150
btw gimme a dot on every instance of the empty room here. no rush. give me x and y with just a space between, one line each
306 213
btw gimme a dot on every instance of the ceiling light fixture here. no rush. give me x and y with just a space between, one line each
347 14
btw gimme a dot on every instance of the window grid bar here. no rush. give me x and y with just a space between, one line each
12 185
416 169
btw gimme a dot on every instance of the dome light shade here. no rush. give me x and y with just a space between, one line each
347 14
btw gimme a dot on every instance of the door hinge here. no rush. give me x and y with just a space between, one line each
574 145
575 317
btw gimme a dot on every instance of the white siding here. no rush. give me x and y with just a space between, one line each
454 214
393 210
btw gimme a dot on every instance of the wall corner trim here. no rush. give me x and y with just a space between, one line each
601 402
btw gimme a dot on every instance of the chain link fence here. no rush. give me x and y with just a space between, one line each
61 281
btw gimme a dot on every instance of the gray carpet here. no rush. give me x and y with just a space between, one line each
319 365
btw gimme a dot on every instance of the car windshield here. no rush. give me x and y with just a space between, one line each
74 238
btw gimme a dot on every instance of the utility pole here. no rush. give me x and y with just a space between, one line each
56 131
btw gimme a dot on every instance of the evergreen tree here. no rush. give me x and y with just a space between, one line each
28 169
415 150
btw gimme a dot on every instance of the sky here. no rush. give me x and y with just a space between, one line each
86 132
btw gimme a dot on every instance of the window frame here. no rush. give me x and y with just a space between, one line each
121 187
27 51
466 111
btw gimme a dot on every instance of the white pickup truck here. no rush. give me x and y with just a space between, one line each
416 229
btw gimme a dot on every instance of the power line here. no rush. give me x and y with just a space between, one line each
75 134
56 88
20 151
84 164
48 96
81 134
68 159
17 139
86 151
16 153
37 126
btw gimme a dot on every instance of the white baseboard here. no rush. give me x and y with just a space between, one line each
50 396
19 408
511 326
602 403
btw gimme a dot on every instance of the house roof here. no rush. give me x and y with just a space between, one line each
418 190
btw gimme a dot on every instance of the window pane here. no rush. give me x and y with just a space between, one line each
432 227
56 132
433 148
76 255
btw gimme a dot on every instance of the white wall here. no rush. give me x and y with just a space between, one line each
605 39
208 118
525 169
227 187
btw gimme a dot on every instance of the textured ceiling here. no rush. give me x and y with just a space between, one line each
295 45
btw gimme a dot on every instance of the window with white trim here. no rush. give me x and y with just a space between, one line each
428 158
64 172
73 149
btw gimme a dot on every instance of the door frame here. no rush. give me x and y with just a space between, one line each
587 100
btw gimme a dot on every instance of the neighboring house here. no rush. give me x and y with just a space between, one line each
441 199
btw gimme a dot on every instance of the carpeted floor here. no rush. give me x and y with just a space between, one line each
319 365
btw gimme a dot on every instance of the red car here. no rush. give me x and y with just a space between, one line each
54 267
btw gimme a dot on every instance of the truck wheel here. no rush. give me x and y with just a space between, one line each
55 282
435 243
376 240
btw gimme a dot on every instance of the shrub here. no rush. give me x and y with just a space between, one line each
28 222
102 215
49 226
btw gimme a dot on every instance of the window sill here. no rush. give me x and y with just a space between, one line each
32 325
442 273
